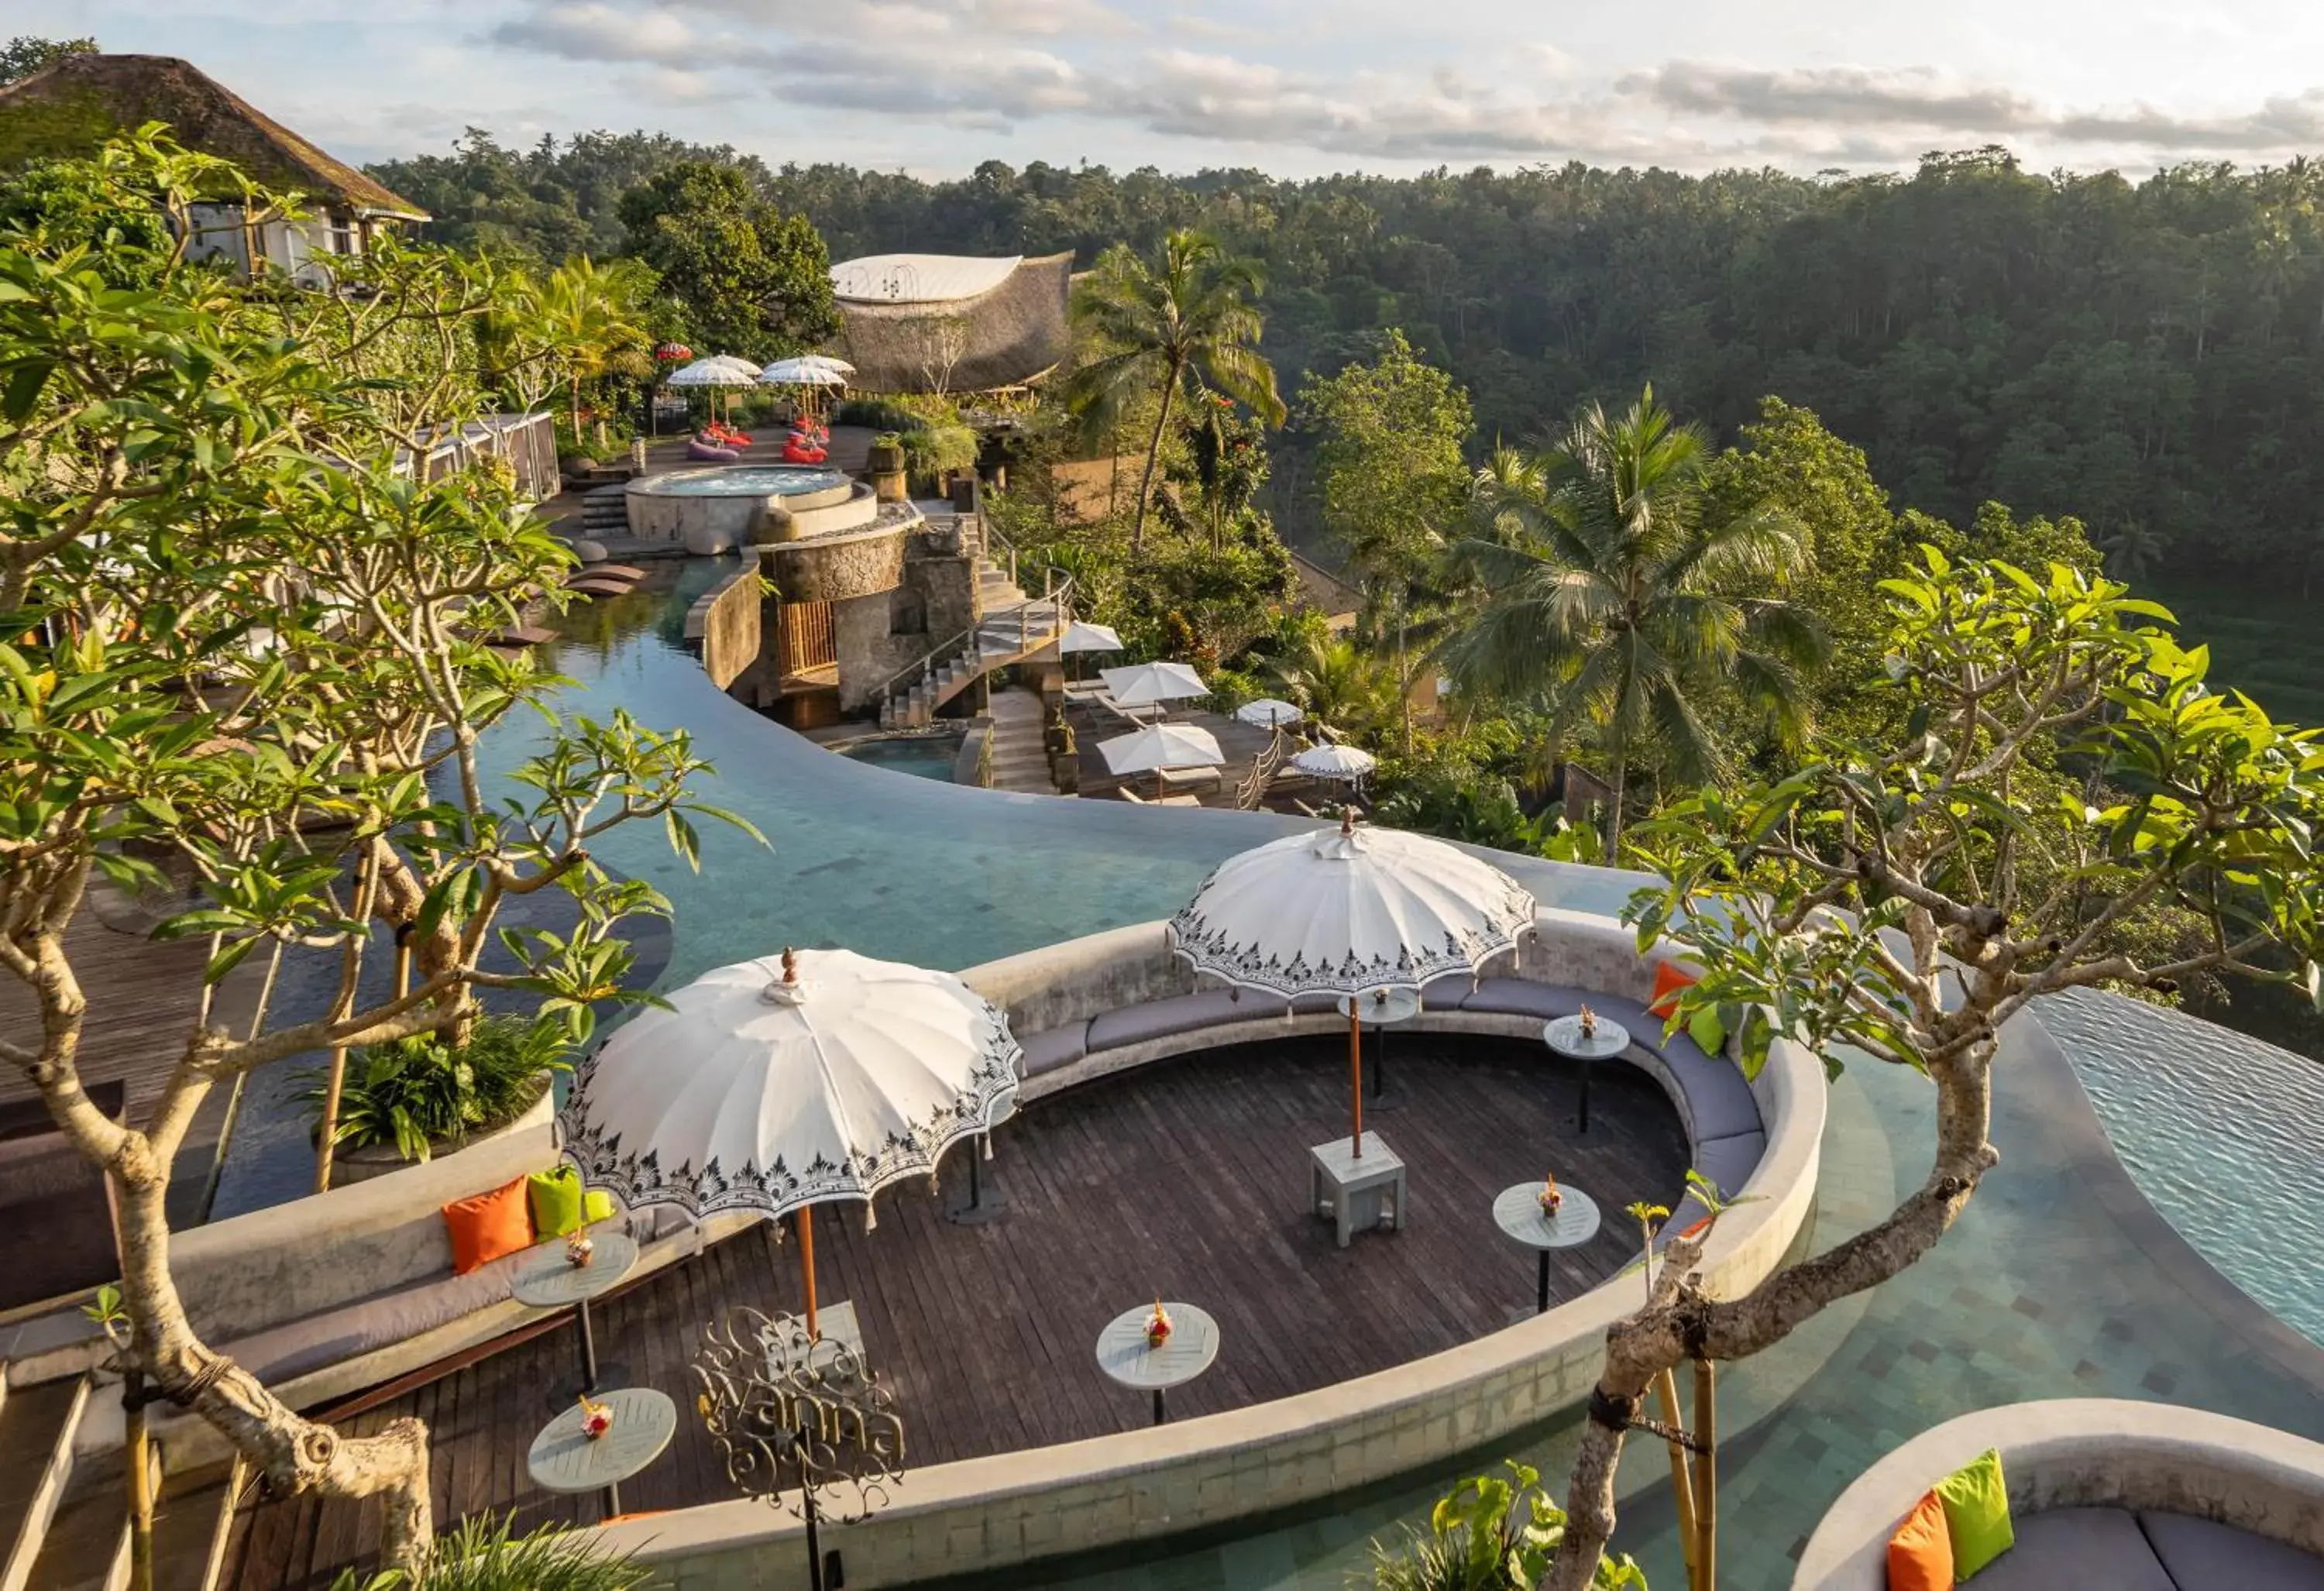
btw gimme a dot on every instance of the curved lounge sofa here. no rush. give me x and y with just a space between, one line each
2102 1492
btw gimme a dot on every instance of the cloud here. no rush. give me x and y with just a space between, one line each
991 65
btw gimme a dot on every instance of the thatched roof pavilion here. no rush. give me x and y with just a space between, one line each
949 323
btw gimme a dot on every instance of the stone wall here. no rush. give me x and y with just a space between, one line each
940 579
723 625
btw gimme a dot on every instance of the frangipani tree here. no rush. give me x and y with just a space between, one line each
241 645
1899 903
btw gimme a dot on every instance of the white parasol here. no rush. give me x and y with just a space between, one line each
1267 713
1142 685
808 370
1158 746
1347 764
1082 636
776 1085
715 371
1351 912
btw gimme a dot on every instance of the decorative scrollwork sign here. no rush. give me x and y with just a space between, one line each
801 1422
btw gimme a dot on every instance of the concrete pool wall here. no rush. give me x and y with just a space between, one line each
689 506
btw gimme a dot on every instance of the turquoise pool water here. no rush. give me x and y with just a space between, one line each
930 757
748 481
2223 1132
2039 1291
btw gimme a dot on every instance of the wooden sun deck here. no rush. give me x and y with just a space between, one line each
1185 1179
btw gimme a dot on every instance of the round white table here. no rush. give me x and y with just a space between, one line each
1565 1036
1517 1211
1192 1344
562 1459
552 1282
1378 1009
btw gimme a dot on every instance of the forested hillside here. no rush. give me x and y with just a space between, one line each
2146 355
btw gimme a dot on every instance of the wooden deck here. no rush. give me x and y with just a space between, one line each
1185 1179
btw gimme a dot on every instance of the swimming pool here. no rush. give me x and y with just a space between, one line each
747 480
2224 1133
927 757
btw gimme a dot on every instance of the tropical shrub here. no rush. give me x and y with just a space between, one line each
1490 1534
416 1091
484 1555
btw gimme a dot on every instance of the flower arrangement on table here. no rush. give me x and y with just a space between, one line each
580 1248
1157 1325
596 1419
1551 1198
1588 1020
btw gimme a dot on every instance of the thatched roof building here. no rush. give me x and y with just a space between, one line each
69 109
949 323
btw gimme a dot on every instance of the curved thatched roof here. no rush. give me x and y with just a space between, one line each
1004 337
65 111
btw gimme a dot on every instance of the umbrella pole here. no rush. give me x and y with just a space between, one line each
1356 1077
806 1266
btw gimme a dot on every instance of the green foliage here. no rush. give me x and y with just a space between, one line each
2197 804
482 1553
1168 332
1610 600
1490 1534
79 204
578 326
879 414
27 53
752 280
1336 681
935 451
1390 470
412 1092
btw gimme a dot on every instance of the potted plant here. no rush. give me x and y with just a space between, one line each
411 1098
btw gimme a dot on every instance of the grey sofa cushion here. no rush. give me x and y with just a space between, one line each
1728 1161
1717 1096
1522 997
2078 1549
2201 1554
1153 1019
1053 1047
314 1341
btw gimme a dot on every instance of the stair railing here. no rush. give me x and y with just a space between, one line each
1252 790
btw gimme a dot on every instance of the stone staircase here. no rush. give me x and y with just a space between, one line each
604 512
1014 626
1019 761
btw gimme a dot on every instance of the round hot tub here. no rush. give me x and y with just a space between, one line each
710 508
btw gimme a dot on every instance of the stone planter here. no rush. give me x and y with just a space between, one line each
349 1166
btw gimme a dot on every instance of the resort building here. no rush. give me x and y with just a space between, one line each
69 109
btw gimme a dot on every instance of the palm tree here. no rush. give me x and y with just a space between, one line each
1172 331
1337 683
1609 599
2132 549
589 318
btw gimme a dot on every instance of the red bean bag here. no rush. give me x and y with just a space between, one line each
794 453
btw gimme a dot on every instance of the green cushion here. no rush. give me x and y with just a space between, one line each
1976 1513
596 1205
556 1197
1708 1031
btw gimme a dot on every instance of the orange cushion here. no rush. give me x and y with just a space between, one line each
1669 978
488 1225
1921 1552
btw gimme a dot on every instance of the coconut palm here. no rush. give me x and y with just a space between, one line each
586 320
1609 601
1174 331
1336 682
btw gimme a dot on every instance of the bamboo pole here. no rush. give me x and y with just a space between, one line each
138 1449
1682 1490
1706 1475
327 1144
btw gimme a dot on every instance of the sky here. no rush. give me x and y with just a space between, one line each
1297 87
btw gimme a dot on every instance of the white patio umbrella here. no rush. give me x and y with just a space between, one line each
1160 746
1267 713
808 370
1142 685
778 1084
1081 636
718 370
1351 911
1347 764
